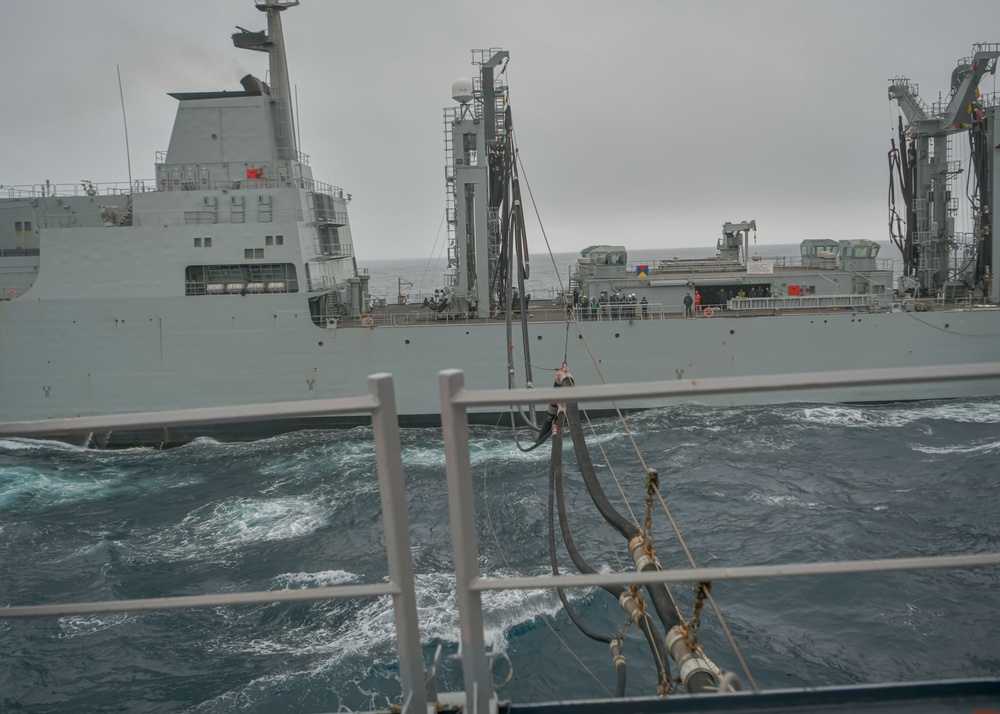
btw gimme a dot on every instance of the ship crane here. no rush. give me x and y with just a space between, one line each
736 238
935 252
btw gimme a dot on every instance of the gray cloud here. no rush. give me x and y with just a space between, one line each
642 123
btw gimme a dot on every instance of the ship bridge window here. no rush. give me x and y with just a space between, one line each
208 242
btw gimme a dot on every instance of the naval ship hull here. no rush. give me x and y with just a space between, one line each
231 279
103 356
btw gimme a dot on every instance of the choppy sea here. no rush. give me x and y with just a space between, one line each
757 485
751 485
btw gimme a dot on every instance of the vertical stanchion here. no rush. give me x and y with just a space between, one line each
462 508
385 430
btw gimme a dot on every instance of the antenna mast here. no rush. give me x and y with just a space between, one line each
128 156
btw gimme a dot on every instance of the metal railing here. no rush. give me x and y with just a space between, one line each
201 183
206 217
675 266
869 301
631 313
85 188
455 403
380 403
417 687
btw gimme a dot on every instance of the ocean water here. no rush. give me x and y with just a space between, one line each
788 483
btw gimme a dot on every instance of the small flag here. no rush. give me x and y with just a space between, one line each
642 271
255 173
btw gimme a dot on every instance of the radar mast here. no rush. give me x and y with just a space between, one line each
273 43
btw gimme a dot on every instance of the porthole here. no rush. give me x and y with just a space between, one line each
320 344
408 342
732 332
539 337
617 335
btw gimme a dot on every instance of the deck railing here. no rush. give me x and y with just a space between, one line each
470 585
380 403
417 687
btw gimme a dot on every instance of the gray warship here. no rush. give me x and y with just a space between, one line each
231 279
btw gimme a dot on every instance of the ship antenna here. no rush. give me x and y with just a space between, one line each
298 121
128 156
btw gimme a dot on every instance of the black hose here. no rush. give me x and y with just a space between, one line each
538 441
656 643
658 593
612 516
574 553
555 471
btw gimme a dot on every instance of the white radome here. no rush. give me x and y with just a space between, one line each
461 90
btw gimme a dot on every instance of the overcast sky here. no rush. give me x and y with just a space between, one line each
642 123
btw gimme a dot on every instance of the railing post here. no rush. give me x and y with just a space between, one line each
462 509
385 430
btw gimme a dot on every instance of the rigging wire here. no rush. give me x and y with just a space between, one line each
430 257
562 290
708 593
581 453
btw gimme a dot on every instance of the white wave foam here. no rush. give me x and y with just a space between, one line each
786 500
962 412
961 449
838 416
20 444
322 579
20 483
369 630
899 415
215 532
78 625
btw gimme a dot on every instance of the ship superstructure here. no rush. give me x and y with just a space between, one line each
231 279
938 257
233 210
